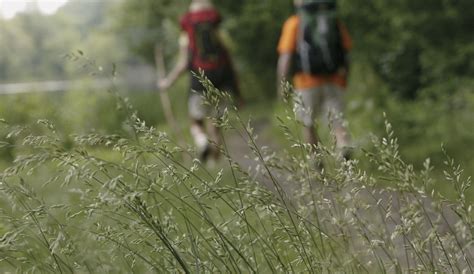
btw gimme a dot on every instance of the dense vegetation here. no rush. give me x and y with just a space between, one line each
91 182
134 205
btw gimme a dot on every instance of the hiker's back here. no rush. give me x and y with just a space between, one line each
319 45
205 48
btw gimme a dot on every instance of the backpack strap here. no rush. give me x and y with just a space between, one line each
303 48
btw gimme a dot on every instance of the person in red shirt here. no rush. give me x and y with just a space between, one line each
315 90
201 49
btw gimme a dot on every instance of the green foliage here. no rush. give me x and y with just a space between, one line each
34 45
145 23
441 115
22 38
100 190
413 45
145 210
267 17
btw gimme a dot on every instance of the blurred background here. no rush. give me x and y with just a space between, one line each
413 60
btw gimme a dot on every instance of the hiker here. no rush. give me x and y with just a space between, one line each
200 48
314 44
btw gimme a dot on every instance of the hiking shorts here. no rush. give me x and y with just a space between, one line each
222 79
312 102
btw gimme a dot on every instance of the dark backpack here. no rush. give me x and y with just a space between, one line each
319 45
207 52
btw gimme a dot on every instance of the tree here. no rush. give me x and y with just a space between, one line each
33 45
413 44
144 23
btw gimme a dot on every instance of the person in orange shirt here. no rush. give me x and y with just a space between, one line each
315 43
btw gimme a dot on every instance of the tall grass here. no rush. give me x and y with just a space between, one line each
120 204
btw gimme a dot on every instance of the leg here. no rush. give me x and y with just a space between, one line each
306 102
310 135
306 106
225 82
213 130
215 134
335 108
197 113
200 139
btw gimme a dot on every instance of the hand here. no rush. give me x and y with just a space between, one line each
163 84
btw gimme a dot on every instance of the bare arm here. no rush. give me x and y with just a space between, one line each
180 67
283 68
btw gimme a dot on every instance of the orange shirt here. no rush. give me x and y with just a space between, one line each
287 44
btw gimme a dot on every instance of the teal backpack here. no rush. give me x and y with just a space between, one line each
319 44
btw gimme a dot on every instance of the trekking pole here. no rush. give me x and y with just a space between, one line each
165 100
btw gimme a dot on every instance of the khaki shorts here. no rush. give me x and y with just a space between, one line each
326 100
199 110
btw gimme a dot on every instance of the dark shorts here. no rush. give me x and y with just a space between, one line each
222 79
